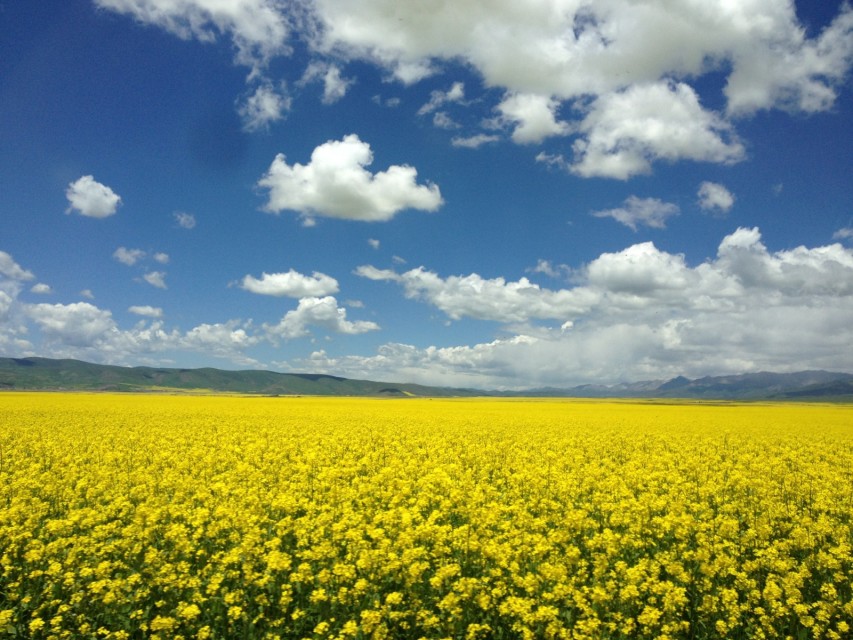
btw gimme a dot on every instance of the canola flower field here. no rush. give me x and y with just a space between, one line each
129 516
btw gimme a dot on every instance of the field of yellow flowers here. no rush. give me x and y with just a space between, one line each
130 516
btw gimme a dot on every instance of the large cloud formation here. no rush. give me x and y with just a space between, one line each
629 71
633 314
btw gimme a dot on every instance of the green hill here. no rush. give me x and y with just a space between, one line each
76 375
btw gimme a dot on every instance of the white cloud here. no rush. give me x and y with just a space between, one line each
640 313
845 233
264 107
534 117
624 132
91 198
793 73
322 312
258 28
162 258
456 93
336 184
485 299
12 270
335 86
146 310
41 288
292 284
549 269
475 141
87 293
156 279
77 325
649 212
373 242
185 220
715 197
572 49
442 120
222 339
128 256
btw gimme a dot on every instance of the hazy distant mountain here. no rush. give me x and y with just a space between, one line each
746 386
50 374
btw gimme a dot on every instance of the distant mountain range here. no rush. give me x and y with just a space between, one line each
74 375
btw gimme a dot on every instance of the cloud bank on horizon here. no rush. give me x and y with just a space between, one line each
626 149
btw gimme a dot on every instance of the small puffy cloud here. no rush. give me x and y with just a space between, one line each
162 258
146 310
534 117
715 197
549 269
624 132
128 256
185 220
222 339
845 233
635 212
321 312
475 141
41 288
156 279
264 107
91 198
456 93
442 120
336 184
291 284
87 293
373 242
335 86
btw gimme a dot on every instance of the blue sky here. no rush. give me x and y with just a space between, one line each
496 195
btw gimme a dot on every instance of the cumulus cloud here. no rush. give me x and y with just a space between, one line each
291 284
41 288
264 106
635 212
257 28
625 74
335 86
534 117
78 324
336 184
636 314
437 98
185 220
321 312
569 50
91 198
12 271
624 132
715 198
162 258
845 233
485 299
156 279
146 310
128 256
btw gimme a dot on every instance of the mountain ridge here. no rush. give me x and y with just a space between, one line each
49 374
